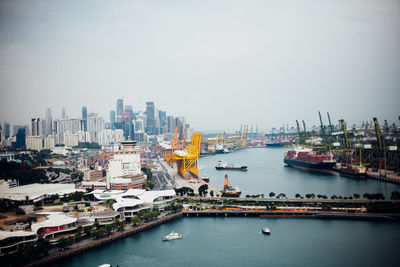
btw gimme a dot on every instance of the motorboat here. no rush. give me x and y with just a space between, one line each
172 236
266 231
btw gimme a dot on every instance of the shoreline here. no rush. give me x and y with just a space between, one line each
100 242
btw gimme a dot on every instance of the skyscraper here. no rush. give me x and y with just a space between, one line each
84 118
6 130
36 127
151 128
128 108
112 119
21 138
63 113
120 109
162 116
49 122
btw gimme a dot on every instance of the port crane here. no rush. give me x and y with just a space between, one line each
380 146
187 160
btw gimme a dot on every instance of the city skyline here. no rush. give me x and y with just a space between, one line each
217 64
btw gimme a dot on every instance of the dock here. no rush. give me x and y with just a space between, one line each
390 176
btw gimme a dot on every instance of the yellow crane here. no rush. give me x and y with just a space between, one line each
187 160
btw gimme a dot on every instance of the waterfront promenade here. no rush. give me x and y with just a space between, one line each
86 245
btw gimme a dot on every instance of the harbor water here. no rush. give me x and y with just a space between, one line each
238 241
267 173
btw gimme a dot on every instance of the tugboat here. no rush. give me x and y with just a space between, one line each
206 179
266 231
228 190
172 236
223 166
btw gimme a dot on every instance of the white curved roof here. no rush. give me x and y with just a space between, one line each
7 234
126 202
53 219
150 196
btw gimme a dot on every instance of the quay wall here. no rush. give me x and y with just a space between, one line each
293 215
99 242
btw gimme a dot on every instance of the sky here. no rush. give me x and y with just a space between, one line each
218 63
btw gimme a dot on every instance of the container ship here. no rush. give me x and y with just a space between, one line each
228 190
309 160
223 166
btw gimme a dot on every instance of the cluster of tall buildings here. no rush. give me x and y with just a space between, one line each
124 124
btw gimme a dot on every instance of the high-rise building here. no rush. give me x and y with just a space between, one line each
128 108
49 122
112 119
170 124
36 127
151 127
84 119
120 109
129 131
21 138
7 133
63 114
162 116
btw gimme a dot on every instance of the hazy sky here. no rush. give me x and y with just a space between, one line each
218 63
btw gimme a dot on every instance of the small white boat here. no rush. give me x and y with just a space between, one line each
266 231
172 236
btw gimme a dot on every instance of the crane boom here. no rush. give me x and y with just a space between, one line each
322 125
346 140
330 124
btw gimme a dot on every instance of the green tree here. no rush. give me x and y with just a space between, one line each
356 196
272 194
203 189
136 220
212 193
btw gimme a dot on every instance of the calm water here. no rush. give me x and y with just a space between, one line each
239 242
267 173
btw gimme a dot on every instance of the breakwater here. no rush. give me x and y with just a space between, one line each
100 242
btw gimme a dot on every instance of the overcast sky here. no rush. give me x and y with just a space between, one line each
218 63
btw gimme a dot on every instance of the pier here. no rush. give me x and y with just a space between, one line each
389 177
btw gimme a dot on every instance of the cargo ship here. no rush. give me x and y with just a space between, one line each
310 160
353 171
223 166
228 190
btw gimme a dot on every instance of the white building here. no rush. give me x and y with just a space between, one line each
50 142
71 140
125 161
34 143
108 136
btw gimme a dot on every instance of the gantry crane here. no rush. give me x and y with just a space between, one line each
187 160
381 146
